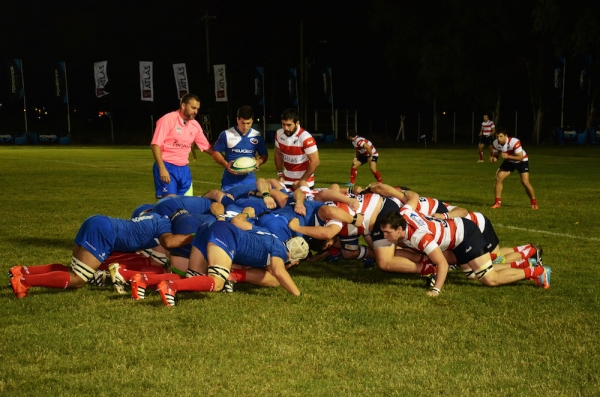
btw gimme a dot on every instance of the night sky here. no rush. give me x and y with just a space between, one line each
240 35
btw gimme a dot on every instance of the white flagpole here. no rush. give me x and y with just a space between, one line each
24 101
68 108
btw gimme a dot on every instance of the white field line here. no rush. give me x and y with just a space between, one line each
547 232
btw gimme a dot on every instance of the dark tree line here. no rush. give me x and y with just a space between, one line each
480 51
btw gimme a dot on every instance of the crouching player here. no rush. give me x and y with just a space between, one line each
216 249
96 239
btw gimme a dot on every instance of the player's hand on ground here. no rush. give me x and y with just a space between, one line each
493 159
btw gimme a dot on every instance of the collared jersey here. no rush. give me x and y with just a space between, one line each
487 127
512 146
424 234
295 150
359 146
175 138
236 145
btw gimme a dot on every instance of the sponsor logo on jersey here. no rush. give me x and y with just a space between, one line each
417 219
243 151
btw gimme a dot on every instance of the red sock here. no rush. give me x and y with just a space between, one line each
533 272
378 176
522 247
533 202
520 264
238 275
480 156
57 279
196 283
127 258
143 268
54 267
498 200
155 279
353 173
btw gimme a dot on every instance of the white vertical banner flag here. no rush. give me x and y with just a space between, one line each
101 77
220 83
181 79
146 81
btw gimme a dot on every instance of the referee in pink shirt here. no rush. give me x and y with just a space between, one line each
171 145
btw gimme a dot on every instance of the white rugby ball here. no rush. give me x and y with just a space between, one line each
244 164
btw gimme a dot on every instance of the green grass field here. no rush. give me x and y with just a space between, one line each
355 332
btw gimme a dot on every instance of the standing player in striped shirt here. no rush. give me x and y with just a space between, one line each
296 153
365 153
515 158
486 136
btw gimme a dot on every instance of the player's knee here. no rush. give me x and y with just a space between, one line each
219 275
487 276
76 281
80 273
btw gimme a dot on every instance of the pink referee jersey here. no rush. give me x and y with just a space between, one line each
294 150
175 138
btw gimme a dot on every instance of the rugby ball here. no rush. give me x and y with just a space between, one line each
244 165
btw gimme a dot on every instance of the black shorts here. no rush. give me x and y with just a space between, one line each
509 166
473 245
486 140
489 235
365 159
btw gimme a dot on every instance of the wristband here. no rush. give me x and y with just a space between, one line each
266 194
221 216
247 214
436 290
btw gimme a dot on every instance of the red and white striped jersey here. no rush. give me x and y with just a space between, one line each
487 126
424 234
478 219
429 206
512 146
294 150
369 204
359 145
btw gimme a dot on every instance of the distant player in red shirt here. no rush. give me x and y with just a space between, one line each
365 153
486 136
296 153
515 158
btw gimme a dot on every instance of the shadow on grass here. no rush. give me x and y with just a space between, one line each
42 242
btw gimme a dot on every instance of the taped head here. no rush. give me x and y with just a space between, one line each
297 247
